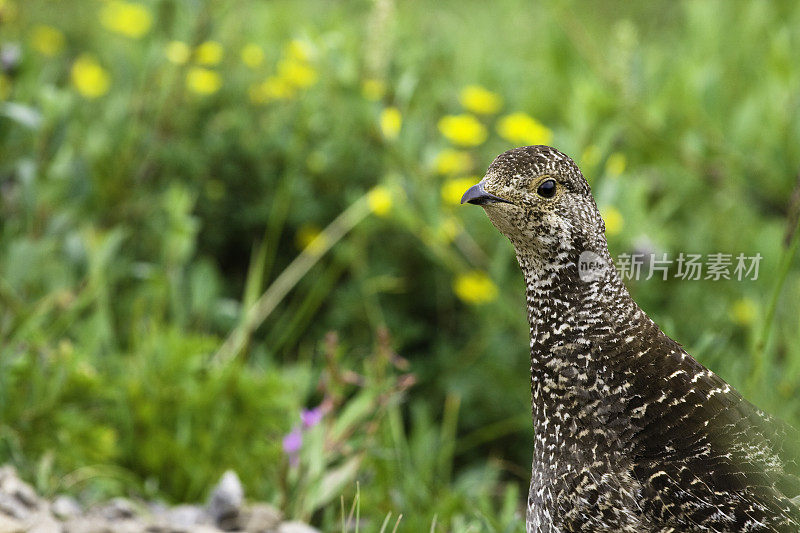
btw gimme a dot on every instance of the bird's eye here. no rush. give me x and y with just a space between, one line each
547 189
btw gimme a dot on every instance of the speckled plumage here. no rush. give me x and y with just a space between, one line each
631 433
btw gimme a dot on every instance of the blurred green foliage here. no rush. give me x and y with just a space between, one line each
163 163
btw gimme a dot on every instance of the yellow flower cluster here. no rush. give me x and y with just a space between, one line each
463 130
200 79
126 18
480 100
454 188
466 130
522 129
391 121
89 77
475 287
294 72
47 40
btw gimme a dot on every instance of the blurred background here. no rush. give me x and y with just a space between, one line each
230 234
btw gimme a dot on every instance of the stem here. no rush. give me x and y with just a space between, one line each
291 275
760 352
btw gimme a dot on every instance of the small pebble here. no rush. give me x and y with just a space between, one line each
226 500
65 507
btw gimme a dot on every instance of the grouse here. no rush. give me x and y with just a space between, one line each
631 433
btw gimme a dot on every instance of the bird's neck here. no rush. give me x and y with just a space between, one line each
573 313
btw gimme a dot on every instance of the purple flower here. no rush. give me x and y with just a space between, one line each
292 443
311 417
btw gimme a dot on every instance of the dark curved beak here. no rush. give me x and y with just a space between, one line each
477 195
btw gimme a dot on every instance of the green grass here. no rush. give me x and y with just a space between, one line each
161 320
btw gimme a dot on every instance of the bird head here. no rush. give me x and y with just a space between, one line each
538 198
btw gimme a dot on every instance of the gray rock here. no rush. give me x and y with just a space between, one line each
42 522
17 498
65 507
98 524
88 524
226 501
296 527
10 525
260 518
185 517
118 509
129 526
12 507
198 528
157 507
202 528
22 511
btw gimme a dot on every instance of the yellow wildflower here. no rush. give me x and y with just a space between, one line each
203 81
47 40
373 89
209 53
89 78
521 128
463 130
178 52
298 50
391 122
273 88
297 73
479 100
743 311
454 188
475 287
590 156
126 18
613 219
453 162
379 200
252 55
615 164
